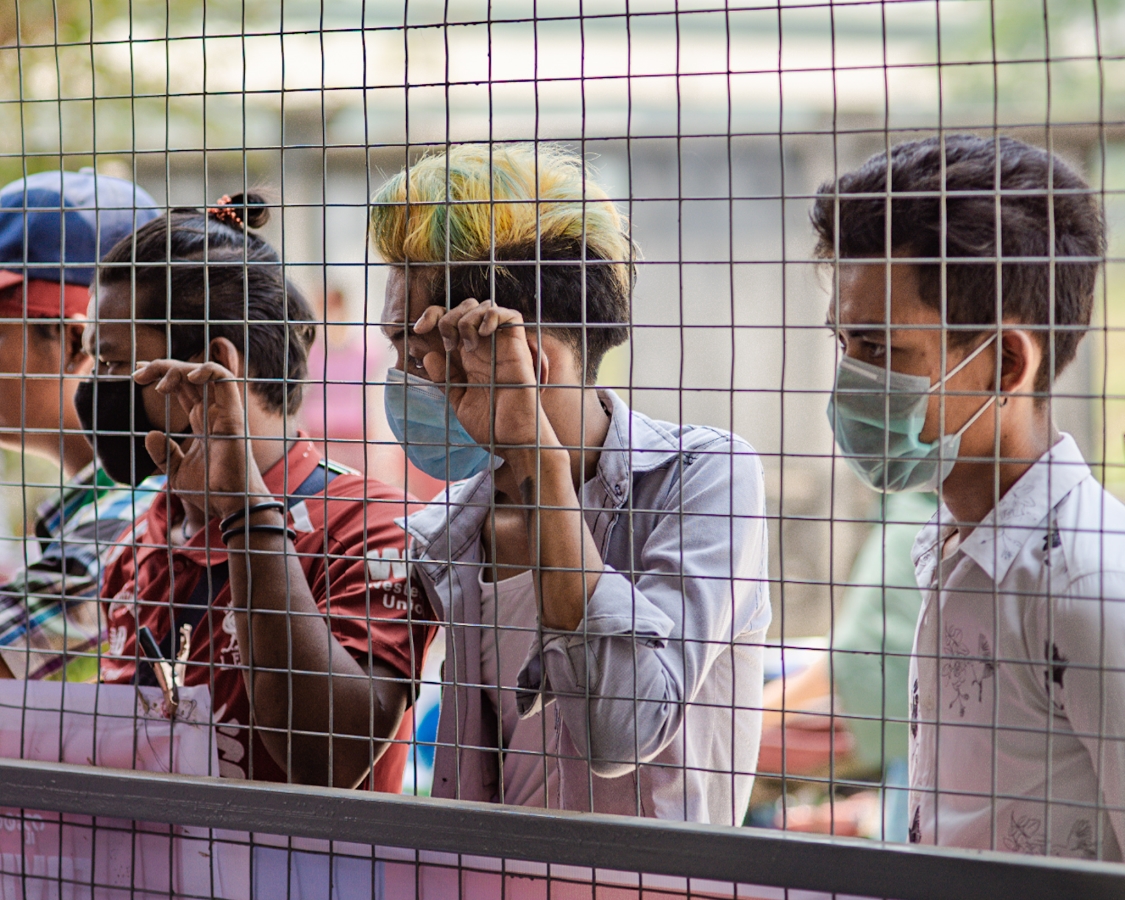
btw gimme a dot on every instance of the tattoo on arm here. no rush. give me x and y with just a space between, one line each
527 498
527 491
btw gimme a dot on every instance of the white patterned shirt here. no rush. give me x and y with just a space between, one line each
1017 680
49 619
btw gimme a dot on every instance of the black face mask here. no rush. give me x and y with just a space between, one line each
120 441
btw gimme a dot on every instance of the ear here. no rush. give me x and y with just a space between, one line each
539 359
226 355
1020 357
75 357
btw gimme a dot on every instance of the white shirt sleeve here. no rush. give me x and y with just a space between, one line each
1083 648
623 677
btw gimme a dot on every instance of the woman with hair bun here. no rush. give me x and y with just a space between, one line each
272 573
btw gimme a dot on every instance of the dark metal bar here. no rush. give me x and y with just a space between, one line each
744 855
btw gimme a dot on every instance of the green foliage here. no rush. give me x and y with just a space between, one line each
79 77
1050 60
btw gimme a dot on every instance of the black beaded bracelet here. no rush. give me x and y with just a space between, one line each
239 514
260 529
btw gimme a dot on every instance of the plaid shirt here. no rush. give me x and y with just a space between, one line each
49 622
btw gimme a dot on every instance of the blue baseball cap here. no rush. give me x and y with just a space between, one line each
54 226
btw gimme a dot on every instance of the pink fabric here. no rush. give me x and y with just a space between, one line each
51 857
335 405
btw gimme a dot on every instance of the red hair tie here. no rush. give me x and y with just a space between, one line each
225 213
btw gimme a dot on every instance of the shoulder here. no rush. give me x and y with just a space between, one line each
127 504
704 447
353 505
687 444
147 528
1090 525
696 466
637 444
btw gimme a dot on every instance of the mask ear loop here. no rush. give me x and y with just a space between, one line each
957 368
980 412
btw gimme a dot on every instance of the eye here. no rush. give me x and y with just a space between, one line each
875 350
413 362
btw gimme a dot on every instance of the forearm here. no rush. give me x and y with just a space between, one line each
563 553
795 693
318 710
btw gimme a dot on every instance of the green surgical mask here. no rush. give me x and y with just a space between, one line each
878 416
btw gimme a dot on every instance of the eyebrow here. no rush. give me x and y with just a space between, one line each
860 331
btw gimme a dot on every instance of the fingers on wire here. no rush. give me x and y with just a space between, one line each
187 380
165 453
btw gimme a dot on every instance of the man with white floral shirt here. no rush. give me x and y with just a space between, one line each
1017 682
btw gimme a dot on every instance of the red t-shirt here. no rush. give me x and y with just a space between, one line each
362 589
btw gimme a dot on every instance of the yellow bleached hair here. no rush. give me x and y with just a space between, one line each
476 203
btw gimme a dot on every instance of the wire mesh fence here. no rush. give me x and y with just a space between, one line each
430 400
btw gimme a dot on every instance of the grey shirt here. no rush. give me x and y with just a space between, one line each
655 699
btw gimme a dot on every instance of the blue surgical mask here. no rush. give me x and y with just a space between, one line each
424 423
878 417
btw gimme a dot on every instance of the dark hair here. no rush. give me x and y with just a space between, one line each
1038 194
237 290
527 217
565 283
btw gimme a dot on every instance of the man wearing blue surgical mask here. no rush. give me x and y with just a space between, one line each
963 288
602 575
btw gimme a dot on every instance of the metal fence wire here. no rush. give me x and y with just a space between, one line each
416 479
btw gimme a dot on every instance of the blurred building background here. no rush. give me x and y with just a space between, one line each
712 127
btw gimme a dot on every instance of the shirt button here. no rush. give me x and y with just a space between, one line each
178 566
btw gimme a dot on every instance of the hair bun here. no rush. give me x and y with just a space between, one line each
251 208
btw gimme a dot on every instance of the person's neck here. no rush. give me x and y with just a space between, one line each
973 489
583 424
268 451
76 454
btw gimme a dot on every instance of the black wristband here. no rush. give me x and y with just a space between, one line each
239 514
260 529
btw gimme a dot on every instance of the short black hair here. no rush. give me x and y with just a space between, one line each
527 218
579 301
214 278
1043 209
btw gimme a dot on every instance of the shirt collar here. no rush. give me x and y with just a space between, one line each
996 541
88 474
450 521
634 443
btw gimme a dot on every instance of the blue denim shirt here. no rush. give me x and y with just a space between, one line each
657 692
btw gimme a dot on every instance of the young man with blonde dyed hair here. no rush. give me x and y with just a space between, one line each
602 574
